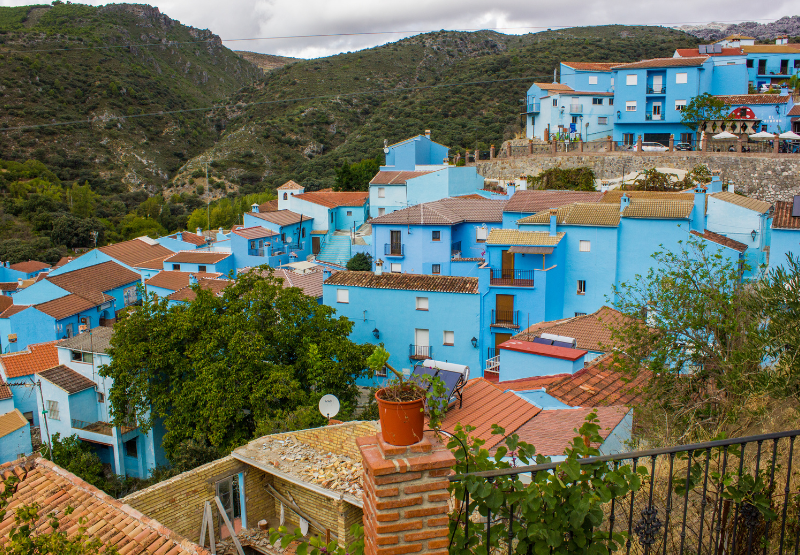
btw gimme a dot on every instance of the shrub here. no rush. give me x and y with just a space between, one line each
361 262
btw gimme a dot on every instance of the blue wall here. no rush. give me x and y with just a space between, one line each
515 365
416 151
420 251
784 241
224 266
14 444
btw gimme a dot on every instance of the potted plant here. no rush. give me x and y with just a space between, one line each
402 403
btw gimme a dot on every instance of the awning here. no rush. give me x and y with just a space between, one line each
531 250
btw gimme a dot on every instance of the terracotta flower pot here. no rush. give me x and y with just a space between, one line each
401 423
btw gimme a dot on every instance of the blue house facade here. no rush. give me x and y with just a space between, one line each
15 441
771 64
785 237
410 154
201 262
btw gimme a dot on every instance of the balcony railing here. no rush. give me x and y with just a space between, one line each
650 116
492 369
657 90
576 108
455 249
103 428
256 252
514 278
394 249
533 108
419 352
505 318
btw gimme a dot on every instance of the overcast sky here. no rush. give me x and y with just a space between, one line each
237 19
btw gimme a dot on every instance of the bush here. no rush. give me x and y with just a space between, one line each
200 189
574 179
361 262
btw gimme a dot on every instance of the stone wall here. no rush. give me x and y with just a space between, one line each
769 177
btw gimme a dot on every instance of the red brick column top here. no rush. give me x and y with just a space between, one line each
405 496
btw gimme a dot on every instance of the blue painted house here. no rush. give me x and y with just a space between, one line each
752 113
744 220
183 241
771 64
20 367
293 232
529 202
167 282
22 270
415 153
201 262
15 433
785 232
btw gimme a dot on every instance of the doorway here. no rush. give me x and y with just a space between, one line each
315 245
421 344
508 265
656 110
658 83
396 243
230 496
504 310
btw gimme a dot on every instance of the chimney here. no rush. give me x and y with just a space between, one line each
784 90
699 210
428 133
8 264
378 267
730 187
179 236
716 183
624 202
553 221
200 231
254 208
220 230
19 283
326 273
192 279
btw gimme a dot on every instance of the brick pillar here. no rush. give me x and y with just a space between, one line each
610 145
476 156
491 153
672 143
530 148
775 144
553 146
508 150
739 145
405 496
580 145
639 144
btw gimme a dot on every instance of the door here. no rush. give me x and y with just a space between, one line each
657 83
499 339
315 247
421 343
508 265
762 67
656 110
396 243
504 309
230 497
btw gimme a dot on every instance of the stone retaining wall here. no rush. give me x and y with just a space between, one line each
769 177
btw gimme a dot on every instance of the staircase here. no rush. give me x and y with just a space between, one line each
336 249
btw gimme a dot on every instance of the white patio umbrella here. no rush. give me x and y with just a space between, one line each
724 135
789 135
762 135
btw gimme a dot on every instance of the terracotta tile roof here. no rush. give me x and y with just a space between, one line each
37 357
591 93
310 283
795 111
738 37
408 282
11 422
472 195
557 87
108 519
782 217
5 303
5 391
664 62
187 293
448 211
591 66
395 177
62 261
753 204
92 281
596 214
30 266
536 382
189 237
552 351
197 257
13 309
256 232
135 252
332 199
695 52
658 209
69 305
737 99
269 206
552 431
290 186
154 264
615 196
517 237
9 285
280 217
536 201
485 404
96 340
67 379
319 232
597 385
590 331
770 49
174 280
721 240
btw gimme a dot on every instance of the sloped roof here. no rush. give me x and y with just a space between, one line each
269 206
590 331
189 237
9 285
108 519
580 213
30 266
517 237
135 252
255 232
392 177
13 309
533 201
769 49
795 111
280 217
92 281
782 217
552 351
154 264
408 282
557 87
197 257
665 62
695 52
37 357
95 340
663 209
447 211
5 391
721 240
187 293
753 204
737 37
174 280
11 422
737 99
310 283
483 405
591 66
63 260
67 379
70 304
615 195
333 199
5 303
290 185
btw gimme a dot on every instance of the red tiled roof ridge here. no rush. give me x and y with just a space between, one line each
407 282
334 199
782 216
29 266
591 66
721 240
753 98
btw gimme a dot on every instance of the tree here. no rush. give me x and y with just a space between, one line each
702 108
355 177
361 262
77 457
82 200
133 226
575 179
257 357
74 232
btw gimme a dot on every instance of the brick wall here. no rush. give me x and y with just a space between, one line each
338 439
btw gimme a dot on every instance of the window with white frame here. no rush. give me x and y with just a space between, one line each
381 211
381 372
52 410
581 287
381 192
630 106
602 120
593 79
555 102
597 101
449 338
422 303
436 269
631 79
681 78
395 268
480 234
342 295
680 105
585 246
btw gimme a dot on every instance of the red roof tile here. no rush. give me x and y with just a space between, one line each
269 206
721 240
795 111
62 261
553 87
591 331
742 99
536 201
310 283
197 257
665 62
447 211
256 232
393 177
598 385
782 217
591 66
92 281
71 304
30 266
9 285
540 349
13 309
290 185
135 252
67 379
5 391
333 199
189 237
408 282
5 303
536 382
281 217
174 280
37 357
187 293
154 264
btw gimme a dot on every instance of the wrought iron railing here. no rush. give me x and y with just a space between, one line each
516 278
393 249
660 89
505 318
725 497
103 428
419 352
576 108
492 369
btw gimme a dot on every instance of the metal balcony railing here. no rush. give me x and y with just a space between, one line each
394 249
103 428
505 318
576 108
533 108
492 369
662 89
419 352
513 278
649 116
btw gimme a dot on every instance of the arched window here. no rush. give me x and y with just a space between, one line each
285 196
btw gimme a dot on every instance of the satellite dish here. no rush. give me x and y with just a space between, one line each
386 151
329 406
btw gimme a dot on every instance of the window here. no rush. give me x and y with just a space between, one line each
349 212
285 196
574 119
436 268
422 303
176 267
381 373
381 211
395 268
630 106
436 235
78 356
230 498
283 237
610 101
612 81
585 246
628 139
631 79
252 244
331 217
343 296
580 314
593 79
602 121
449 338
597 101
202 268
131 449
797 64
680 105
101 397
381 192
749 62
303 232
480 234
555 102
681 78
52 410
581 287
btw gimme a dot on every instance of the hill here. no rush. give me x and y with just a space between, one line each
266 62
762 31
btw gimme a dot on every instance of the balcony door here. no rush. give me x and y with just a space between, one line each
499 339
315 245
658 83
656 110
421 343
504 309
508 265
396 243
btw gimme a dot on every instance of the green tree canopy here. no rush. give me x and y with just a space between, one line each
73 232
575 179
356 176
254 360
361 262
82 200
704 107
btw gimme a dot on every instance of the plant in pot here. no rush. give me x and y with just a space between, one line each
402 402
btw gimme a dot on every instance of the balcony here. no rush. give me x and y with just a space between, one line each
492 370
419 352
455 249
505 319
99 427
576 108
255 252
511 278
394 249
650 116
533 108
657 90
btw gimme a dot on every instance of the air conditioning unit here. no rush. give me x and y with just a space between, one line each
83 327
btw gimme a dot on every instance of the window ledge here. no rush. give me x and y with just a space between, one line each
423 309
448 344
